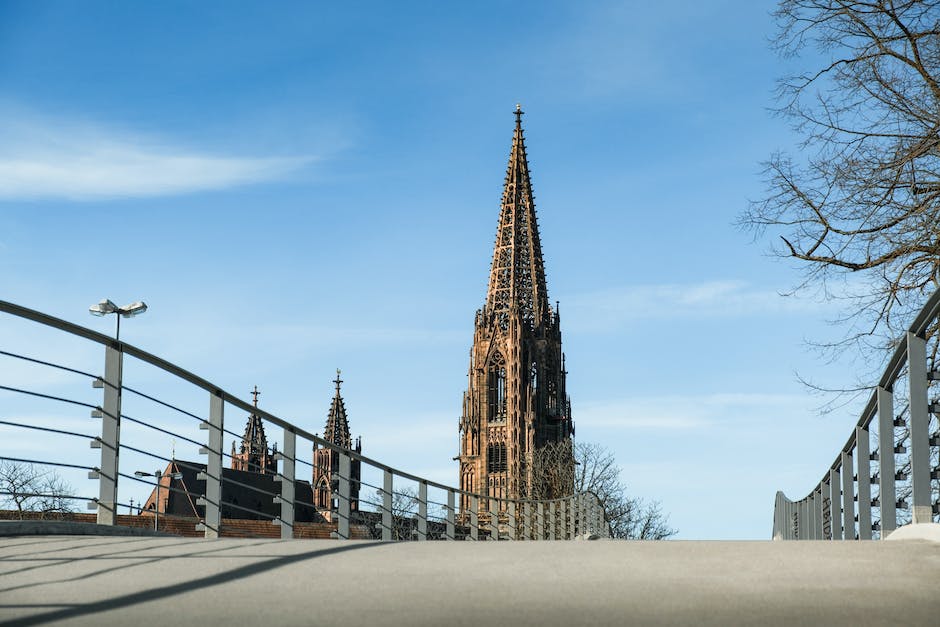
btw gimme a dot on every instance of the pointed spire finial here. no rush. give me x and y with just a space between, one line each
519 113
337 380
255 394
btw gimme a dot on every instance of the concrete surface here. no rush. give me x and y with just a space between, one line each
174 581
920 531
71 528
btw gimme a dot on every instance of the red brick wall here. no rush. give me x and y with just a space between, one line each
231 527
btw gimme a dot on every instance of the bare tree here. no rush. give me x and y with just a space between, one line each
404 511
862 198
552 470
627 517
28 488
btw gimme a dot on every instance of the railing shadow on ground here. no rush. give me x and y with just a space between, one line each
166 592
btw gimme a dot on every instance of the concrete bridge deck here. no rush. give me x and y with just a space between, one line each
140 581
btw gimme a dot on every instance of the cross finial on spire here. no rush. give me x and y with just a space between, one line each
255 394
337 380
519 113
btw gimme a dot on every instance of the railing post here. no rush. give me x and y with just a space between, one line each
451 508
212 499
286 478
422 510
110 441
450 532
818 514
474 517
848 497
527 521
494 519
807 525
569 517
552 519
343 504
566 519
835 504
582 527
511 520
886 493
592 526
540 522
387 519
921 506
863 477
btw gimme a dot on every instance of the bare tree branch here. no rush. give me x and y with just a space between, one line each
627 517
863 196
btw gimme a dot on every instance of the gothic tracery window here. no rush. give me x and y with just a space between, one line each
496 457
497 388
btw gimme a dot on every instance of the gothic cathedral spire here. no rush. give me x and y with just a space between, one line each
517 276
326 469
516 428
254 454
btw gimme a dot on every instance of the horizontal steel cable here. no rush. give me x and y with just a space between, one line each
70 497
165 404
47 463
197 494
169 488
47 429
48 363
48 396
161 430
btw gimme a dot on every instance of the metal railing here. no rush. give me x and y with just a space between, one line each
893 449
422 517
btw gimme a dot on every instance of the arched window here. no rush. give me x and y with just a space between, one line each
497 388
322 494
496 457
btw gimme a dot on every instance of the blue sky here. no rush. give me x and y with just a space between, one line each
316 186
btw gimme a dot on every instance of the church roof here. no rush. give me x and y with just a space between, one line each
517 276
337 426
245 495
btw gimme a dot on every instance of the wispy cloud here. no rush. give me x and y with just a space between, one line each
718 298
678 412
43 157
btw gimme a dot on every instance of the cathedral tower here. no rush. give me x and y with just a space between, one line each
254 455
326 460
516 428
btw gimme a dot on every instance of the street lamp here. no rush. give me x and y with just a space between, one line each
159 475
106 307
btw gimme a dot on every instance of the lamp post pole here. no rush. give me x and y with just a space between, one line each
156 503
156 508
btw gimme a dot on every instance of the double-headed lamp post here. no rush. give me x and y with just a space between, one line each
156 504
106 307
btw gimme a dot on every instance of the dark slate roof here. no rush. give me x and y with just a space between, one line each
245 495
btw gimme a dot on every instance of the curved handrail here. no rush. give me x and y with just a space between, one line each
186 375
895 365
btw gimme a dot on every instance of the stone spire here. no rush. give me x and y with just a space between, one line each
254 455
326 461
516 427
517 276
337 426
